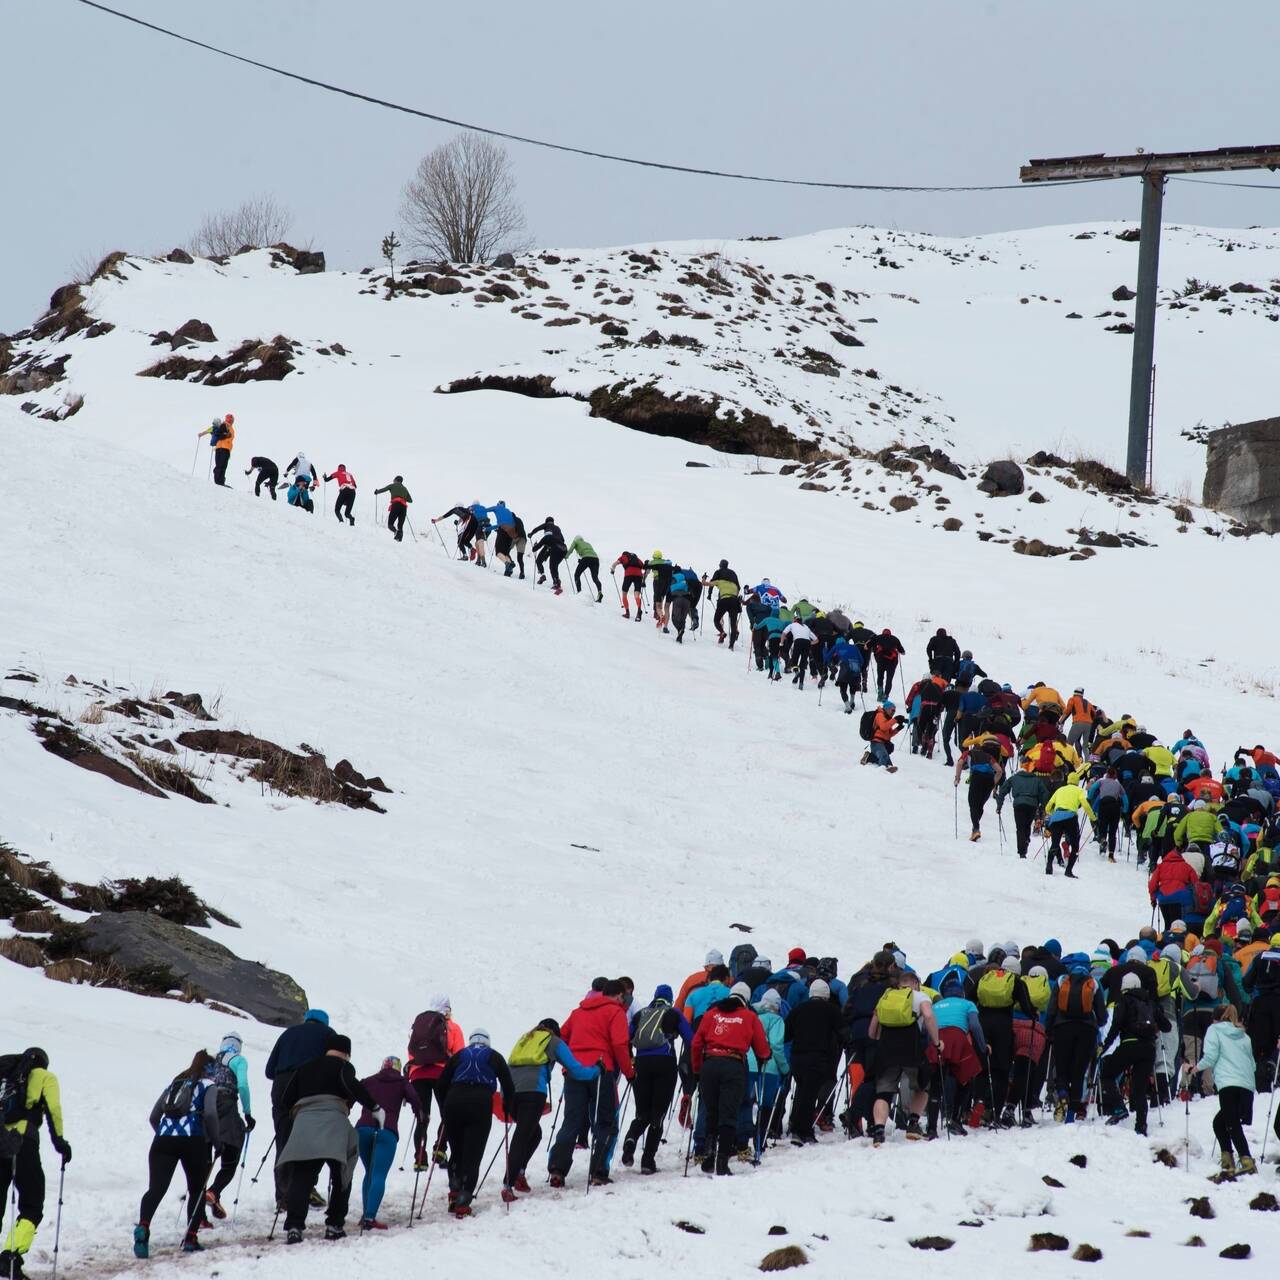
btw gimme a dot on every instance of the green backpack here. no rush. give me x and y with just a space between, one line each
894 1008
531 1049
995 989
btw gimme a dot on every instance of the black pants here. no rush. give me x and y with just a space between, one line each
426 1089
229 1155
812 1074
1068 833
30 1178
303 1175
345 506
220 459
997 1026
526 1134
731 609
395 519
468 1116
654 1087
165 1156
268 478
800 660
1024 818
1235 1110
1108 823
680 614
282 1122
981 785
758 642
587 564
721 1087
1073 1046
552 558
948 732
1139 1057
1264 1030
884 678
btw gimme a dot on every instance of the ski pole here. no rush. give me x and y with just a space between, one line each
196 459
688 1151
1000 825
196 1213
57 1230
254 1179
555 1120
409 521
496 1152
1267 1131
440 535
244 1159
956 807
440 1137
13 1218
595 1135
404 1146
613 573
506 1153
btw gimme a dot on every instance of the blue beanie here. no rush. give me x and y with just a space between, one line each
316 1015
1054 948
663 992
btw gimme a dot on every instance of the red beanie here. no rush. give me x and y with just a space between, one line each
796 955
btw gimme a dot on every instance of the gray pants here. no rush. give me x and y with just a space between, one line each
1080 730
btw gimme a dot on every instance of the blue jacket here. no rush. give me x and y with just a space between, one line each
771 624
297 1046
971 703
680 583
501 514
702 998
564 1056
847 653
794 993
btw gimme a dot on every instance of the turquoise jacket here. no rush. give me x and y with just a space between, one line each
775 1028
702 998
1228 1051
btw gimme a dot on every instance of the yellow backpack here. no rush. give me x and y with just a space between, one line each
893 1009
531 1049
995 989
1038 990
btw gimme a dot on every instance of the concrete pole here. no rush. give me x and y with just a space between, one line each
1144 327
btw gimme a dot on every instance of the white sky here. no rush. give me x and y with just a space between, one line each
120 138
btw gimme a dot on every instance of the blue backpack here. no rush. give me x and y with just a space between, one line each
475 1066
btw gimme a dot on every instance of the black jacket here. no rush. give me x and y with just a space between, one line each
1133 1010
298 1046
814 1027
328 1077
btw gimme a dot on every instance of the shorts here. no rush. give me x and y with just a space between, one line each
661 594
889 1081
631 582
502 543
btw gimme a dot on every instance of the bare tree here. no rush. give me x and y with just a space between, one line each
260 221
460 205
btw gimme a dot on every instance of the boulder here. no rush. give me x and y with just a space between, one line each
1242 472
1002 479
506 260
196 331
179 255
902 502
309 263
137 938
445 284
1122 294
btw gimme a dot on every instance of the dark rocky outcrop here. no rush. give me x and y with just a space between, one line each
63 741
134 939
1002 478
179 255
1242 472
505 260
252 361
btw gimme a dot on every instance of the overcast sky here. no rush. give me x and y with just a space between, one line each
120 138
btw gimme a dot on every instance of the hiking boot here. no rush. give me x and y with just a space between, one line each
508 1196
211 1199
1060 1110
956 1129
439 1155
977 835
708 1164
372 1224
877 1135
462 1209
315 1199
1028 1121
722 1168
293 1235
600 1180
556 1180
628 1153
1140 1128
866 755
648 1164
1122 1113
1008 1118
141 1242
913 1130
891 768
1248 1164
521 1184
1228 1163
191 1243
334 1233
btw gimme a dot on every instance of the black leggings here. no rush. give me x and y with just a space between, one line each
1024 818
526 1134
1235 1110
468 1113
303 1175
30 1179
981 786
268 478
395 519
730 609
655 1086
425 1089
552 557
587 564
165 1156
1073 1048
229 1154
344 508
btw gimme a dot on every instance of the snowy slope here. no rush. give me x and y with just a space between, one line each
511 726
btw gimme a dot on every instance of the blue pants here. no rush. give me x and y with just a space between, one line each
879 754
747 1135
595 1101
377 1151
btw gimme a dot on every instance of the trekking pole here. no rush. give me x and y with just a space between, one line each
613 573
1000 825
409 522
688 1151
440 535
196 1213
196 459
595 1135
440 1137
555 1119
506 1153
57 1230
955 791
244 1159
496 1152
254 1179
1267 1131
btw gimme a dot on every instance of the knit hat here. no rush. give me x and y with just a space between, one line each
479 1037
1101 958
1038 971
1130 982
316 1015
742 991
1053 947
974 947
231 1043
771 1000
818 990
713 957
439 1004
663 992
1012 965
1136 953
762 962
1172 952
391 1062
900 959
1244 929
342 1044
1178 926
796 955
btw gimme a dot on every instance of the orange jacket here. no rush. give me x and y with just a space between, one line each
1079 709
691 983
885 728
1041 697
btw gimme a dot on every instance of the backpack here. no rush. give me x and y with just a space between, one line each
1039 991
475 1066
1164 975
429 1040
740 958
1142 1023
532 1049
228 1088
1202 897
893 1009
995 989
1203 971
650 1032
867 725
1224 859
1076 994
15 1070
179 1098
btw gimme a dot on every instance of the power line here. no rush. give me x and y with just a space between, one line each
558 146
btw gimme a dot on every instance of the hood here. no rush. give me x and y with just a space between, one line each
439 1004
663 992
597 1001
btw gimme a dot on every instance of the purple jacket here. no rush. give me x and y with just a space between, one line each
389 1088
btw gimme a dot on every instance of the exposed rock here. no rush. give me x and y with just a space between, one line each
191 703
900 502
1122 294
1048 1240
1080 1161
1050 1181
846 339
1182 513
1002 478
697 464
1263 1202
505 260
1123 327
1235 1252
691 1227
1087 1253
776 1230
938 1244
98 329
60 739
1241 287
951 524
1201 1208
136 938
251 361
1036 496
1131 235
612 329
1074 315
1242 472
109 266
815 488
561 321
1195 1242
445 285
344 771
196 331
1034 547
784 1259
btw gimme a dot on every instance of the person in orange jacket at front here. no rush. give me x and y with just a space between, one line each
719 1057
222 436
884 729
1081 712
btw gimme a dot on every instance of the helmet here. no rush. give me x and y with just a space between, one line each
657 555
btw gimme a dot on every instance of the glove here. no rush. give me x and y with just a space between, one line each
250 1123
63 1148
379 1117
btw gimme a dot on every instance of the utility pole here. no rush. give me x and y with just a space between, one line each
1152 168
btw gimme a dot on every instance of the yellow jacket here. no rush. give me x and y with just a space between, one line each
1041 697
1162 758
43 1095
1069 798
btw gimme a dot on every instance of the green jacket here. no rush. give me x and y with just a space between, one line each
397 491
1025 790
582 548
803 610
727 590
1198 826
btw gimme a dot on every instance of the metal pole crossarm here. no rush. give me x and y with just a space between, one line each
1222 160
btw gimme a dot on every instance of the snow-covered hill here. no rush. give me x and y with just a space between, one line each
515 727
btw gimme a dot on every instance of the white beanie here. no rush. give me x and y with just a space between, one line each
819 990
479 1036
1011 964
742 991
1130 982
1038 971
714 957
1173 953
771 1000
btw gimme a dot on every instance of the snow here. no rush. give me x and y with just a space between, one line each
512 726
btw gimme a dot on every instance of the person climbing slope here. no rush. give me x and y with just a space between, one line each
397 505
222 438
345 506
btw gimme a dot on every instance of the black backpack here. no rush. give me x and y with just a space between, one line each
15 1068
741 958
178 1098
1142 1023
867 725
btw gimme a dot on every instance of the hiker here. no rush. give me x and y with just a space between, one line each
985 773
471 1078
1111 802
766 635
1076 1013
962 1048
1134 1023
654 1031
551 551
1028 793
728 601
683 583
319 1097
295 1047
588 562
376 1144
848 661
719 1057
305 480
596 1033
222 439
345 507
468 526
884 726
509 530
813 1043
398 500
660 588
1228 1054
632 581
1062 814
230 1073
35 1097
901 1014
766 1080
943 654
887 649
1171 886
769 596
531 1061
1000 991
801 640
185 1123
433 1039
268 475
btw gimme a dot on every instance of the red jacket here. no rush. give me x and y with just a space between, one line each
1172 875
729 1029
596 1032
344 478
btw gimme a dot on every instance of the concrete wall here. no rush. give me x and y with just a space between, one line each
1242 472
